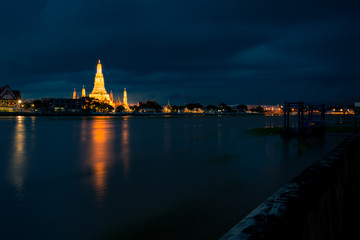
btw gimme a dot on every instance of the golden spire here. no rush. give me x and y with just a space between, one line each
125 102
99 91
83 93
111 96
74 94
99 67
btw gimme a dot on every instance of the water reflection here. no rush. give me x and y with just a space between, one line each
33 123
225 159
84 131
101 154
270 151
125 149
18 160
167 137
220 135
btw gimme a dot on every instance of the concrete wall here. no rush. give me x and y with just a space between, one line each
321 203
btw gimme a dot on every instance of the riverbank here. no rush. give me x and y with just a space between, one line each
122 114
321 203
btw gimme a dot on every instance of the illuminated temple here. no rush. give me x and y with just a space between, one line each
125 102
99 91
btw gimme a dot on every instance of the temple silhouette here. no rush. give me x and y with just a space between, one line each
99 91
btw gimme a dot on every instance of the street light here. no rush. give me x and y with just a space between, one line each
19 101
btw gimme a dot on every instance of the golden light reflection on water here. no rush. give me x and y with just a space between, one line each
33 123
101 154
125 148
101 138
17 166
84 131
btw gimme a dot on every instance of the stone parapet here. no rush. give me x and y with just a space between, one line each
321 203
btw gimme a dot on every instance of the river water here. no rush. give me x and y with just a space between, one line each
134 177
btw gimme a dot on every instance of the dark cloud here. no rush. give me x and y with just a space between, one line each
229 50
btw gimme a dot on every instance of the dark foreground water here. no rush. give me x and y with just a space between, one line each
141 177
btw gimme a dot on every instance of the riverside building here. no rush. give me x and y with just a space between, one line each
99 92
10 100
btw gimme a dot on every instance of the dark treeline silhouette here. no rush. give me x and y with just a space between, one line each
93 105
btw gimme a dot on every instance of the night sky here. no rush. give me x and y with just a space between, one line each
232 51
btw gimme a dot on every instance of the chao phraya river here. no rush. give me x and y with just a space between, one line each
133 177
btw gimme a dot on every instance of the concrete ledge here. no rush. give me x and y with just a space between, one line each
318 204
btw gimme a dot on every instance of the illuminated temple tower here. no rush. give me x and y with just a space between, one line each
99 91
118 102
83 93
125 102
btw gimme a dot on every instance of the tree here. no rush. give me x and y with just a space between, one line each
192 106
175 108
225 107
222 105
110 108
228 109
135 108
89 103
104 107
258 109
211 107
120 108
150 104
153 104
242 108
95 105
101 106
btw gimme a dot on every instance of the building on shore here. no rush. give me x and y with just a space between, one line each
99 91
125 101
10 100
272 109
195 110
63 105
83 92
167 108
118 102
100 94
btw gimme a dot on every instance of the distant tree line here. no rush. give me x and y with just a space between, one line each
258 109
91 104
